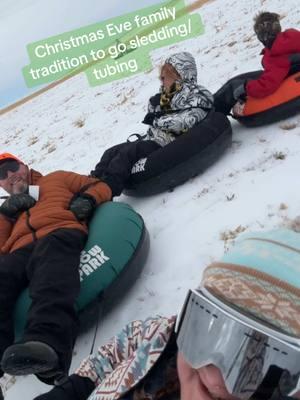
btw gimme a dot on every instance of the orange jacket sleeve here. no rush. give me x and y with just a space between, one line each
100 191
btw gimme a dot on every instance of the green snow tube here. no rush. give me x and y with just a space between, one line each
113 256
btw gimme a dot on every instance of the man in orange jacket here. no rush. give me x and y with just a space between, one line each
40 244
281 58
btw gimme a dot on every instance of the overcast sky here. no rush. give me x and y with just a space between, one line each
26 21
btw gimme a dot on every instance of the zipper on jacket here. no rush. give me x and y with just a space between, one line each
30 226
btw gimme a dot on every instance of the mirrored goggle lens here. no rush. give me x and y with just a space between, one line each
10 165
244 354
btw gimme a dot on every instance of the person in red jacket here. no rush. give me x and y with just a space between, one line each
281 58
279 54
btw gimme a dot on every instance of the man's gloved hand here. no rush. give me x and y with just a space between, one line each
16 203
74 388
150 117
82 206
239 93
295 58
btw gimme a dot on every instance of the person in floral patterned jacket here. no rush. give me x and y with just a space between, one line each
138 363
236 337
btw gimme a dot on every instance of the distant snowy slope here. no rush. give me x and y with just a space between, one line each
254 186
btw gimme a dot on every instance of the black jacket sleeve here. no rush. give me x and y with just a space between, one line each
74 388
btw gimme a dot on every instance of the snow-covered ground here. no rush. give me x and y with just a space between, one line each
254 186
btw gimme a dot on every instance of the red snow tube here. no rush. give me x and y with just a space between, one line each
283 103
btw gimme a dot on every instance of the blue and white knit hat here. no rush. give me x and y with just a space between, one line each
261 277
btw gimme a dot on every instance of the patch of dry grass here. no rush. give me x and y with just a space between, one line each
79 123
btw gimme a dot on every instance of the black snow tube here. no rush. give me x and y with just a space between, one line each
189 155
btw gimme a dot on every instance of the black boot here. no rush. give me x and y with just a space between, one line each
29 358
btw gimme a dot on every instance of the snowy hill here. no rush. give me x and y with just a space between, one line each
252 187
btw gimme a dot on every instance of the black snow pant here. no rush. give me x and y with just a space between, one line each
116 164
49 267
224 99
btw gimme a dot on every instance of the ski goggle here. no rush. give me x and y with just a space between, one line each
245 350
9 165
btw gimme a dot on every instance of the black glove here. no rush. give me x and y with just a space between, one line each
150 117
155 100
74 388
239 93
82 206
16 203
295 58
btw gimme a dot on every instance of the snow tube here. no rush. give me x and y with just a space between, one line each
282 104
115 251
187 156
